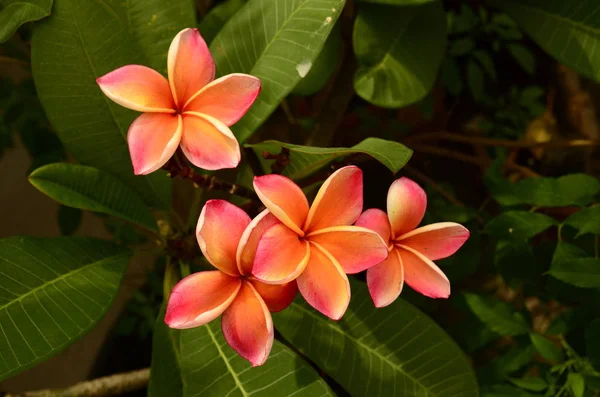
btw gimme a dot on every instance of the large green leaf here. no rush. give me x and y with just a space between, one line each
569 31
497 315
14 13
276 41
211 368
165 372
395 351
305 160
82 41
586 220
91 189
518 225
213 22
399 50
52 291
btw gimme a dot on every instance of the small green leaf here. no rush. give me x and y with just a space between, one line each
515 261
509 363
276 41
576 384
461 46
547 349
498 315
582 272
14 13
451 76
88 188
399 51
523 56
305 160
69 219
53 291
518 225
530 383
592 343
586 220
486 61
213 22
475 80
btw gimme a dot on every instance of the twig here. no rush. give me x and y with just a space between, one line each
13 60
113 385
473 140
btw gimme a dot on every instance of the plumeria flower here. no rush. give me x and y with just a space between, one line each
316 246
190 109
411 250
228 239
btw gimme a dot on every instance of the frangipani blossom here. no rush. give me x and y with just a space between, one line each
412 251
316 245
190 109
228 239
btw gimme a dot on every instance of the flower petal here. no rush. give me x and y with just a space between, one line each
406 203
339 201
227 98
386 280
324 284
277 297
208 143
200 298
355 248
139 88
423 275
284 199
436 241
280 256
153 138
220 227
248 327
376 220
190 65
246 250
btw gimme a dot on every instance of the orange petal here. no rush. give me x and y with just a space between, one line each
436 241
376 220
208 143
281 256
406 203
153 138
246 250
139 88
338 202
219 230
190 65
277 297
355 248
324 284
386 279
423 275
284 199
200 298
248 327
227 98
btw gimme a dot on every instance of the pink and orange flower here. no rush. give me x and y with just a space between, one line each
190 109
228 239
412 249
316 246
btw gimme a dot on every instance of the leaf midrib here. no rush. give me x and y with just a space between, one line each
32 291
224 357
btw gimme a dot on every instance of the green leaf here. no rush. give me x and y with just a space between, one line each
511 362
213 22
451 76
523 56
399 51
398 2
475 80
486 61
518 225
581 272
52 291
586 220
570 31
374 352
592 343
576 383
305 160
165 371
81 42
530 383
276 41
549 350
211 368
497 315
14 13
461 46
91 189
505 391
69 219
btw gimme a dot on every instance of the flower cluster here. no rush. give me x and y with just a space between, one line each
291 246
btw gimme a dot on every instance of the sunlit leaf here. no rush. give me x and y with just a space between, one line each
399 51
396 350
52 291
14 13
497 315
576 383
